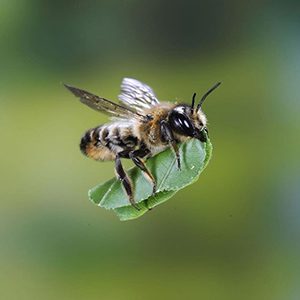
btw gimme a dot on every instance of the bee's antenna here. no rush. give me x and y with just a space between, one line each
206 94
193 103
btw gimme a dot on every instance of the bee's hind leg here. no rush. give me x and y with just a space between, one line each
126 182
136 157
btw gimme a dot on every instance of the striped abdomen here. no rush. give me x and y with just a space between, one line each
105 141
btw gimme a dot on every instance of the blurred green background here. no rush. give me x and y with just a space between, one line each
232 235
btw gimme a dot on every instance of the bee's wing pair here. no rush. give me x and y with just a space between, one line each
135 95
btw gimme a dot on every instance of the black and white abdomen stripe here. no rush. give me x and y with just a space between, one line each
105 141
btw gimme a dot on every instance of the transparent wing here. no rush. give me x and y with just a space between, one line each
137 95
104 105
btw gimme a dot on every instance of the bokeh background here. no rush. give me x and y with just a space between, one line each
232 235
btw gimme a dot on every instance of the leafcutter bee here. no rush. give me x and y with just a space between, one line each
140 127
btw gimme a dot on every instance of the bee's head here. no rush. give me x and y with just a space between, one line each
188 121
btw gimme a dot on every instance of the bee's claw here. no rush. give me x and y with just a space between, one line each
179 165
146 203
135 205
154 189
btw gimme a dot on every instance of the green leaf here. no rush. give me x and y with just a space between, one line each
194 158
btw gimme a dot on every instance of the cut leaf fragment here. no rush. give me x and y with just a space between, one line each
194 158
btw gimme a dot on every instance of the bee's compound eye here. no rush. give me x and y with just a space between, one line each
180 123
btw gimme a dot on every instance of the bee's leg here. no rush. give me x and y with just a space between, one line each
126 182
167 134
203 135
136 158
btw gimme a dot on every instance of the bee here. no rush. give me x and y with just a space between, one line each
140 128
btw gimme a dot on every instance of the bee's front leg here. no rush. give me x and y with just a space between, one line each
167 134
126 182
